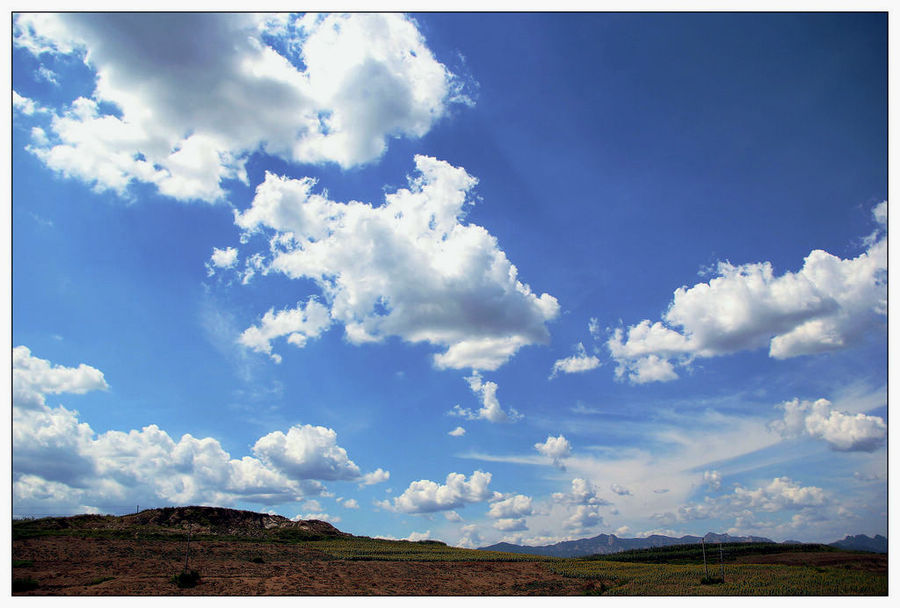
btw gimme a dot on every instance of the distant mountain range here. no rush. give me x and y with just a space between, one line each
610 543
861 542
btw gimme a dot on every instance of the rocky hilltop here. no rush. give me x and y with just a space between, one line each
200 520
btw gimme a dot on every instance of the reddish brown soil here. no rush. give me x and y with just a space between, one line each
71 566
871 562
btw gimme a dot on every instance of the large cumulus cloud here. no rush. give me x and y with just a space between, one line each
411 267
182 99
829 304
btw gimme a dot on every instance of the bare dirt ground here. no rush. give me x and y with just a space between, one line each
870 562
71 566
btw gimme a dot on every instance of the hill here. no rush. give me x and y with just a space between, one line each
176 520
861 542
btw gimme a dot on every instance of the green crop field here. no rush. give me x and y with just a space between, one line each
693 554
623 578
378 549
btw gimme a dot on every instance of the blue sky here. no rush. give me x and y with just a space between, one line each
521 277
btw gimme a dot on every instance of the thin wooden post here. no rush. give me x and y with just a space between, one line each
705 568
721 563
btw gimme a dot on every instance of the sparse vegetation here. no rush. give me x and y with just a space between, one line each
314 558
101 579
20 585
186 579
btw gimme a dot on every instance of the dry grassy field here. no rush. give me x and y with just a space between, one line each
112 557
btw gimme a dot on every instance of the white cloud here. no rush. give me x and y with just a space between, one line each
452 516
34 377
471 537
350 503
332 519
193 109
425 496
582 492
781 493
713 479
620 489
38 136
594 328
583 517
431 279
577 363
842 431
304 322
312 505
24 105
377 476
457 432
417 536
508 524
490 406
829 304
556 449
59 460
515 506
222 258
46 74
745 505
307 452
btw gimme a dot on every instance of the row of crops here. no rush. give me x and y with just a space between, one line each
376 549
693 554
623 578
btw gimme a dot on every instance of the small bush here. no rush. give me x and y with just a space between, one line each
18 563
24 584
186 579
712 580
257 560
598 589
101 579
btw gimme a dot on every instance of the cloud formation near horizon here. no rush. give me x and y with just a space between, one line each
56 455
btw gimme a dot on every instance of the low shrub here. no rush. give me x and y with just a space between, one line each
24 584
186 579
101 579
